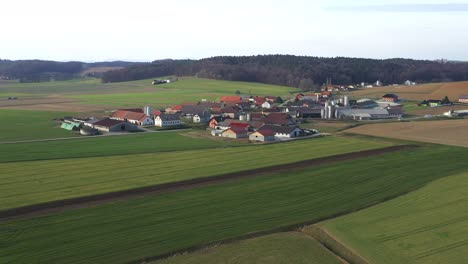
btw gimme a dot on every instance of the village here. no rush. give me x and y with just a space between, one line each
256 118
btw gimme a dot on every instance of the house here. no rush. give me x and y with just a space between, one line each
167 120
282 132
190 111
214 121
235 132
240 125
231 112
201 118
257 116
270 99
113 125
390 98
262 135
174 109
267 105
410 83
134 116
463 99
279 119
256 100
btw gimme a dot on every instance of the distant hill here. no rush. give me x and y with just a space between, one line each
43 71
296 70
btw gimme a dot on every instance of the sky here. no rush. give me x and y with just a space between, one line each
146 30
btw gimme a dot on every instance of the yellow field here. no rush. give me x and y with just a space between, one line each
419 92
449 132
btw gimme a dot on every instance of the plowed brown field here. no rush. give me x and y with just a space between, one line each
449 132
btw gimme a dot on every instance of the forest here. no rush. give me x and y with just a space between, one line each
296 70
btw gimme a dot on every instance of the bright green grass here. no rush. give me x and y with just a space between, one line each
31 182
185 90
152 226
290 247
29 125
429 225
106 146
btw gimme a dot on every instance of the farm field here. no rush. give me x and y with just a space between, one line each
136 143
151 226
30 125
281 248
429 225
187 89
450 132
419 92
31 182
93 94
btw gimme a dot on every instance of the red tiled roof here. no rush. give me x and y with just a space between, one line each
155 112
326 93
236 99
176 107
277 119
128 115
239 125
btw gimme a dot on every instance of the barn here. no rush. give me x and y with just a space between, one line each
113 125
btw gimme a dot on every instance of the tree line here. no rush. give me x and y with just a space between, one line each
296 70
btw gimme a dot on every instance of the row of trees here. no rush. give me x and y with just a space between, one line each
297 71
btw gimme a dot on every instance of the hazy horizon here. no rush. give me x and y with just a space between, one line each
143 30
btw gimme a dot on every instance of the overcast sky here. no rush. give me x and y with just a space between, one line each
145 30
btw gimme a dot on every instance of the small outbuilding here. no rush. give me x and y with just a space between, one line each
262 135
463 99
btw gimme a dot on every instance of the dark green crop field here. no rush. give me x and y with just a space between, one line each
31 182
139 228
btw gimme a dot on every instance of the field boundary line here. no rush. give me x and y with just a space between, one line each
94 200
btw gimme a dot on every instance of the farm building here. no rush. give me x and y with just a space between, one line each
113 125
463 99
279 119
262 135
202 118
88 131
167 120
282 132
70 125
134 116
362 114
214 121
190 111
235 132
390 98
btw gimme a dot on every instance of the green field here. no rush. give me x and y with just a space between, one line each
151 226
185 90
290 247
429 225
30 125
136 143
30 182
140 93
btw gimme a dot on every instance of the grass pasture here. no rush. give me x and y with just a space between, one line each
30 125
281 248
137 143
186 89
450 132
31 182
139 228
429 225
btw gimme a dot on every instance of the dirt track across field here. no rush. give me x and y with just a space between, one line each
80 202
